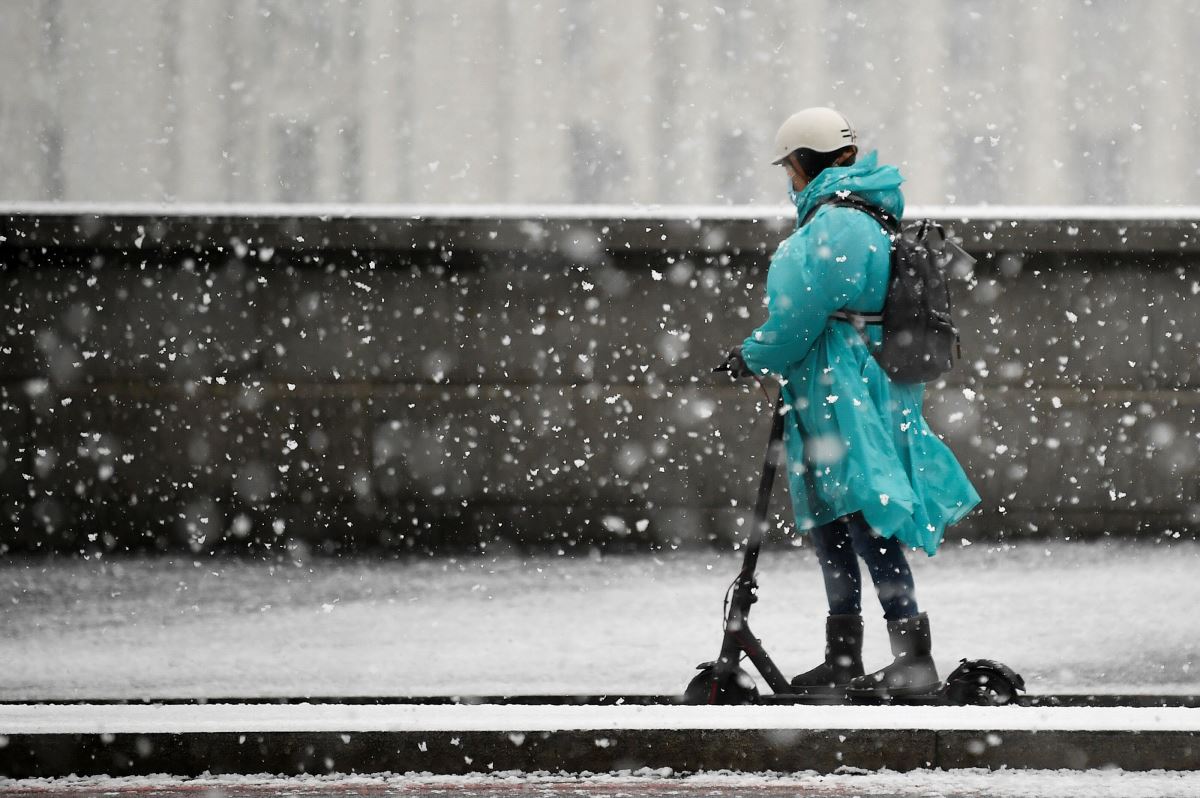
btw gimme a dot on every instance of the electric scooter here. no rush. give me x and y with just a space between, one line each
724 681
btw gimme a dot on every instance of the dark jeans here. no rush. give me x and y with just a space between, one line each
839 545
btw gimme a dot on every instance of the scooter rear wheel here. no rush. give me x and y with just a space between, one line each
980 689
983 682
726 689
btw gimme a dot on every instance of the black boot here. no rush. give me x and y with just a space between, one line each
912 674
843 657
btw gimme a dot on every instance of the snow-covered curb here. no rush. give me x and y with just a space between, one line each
184 719
1045 783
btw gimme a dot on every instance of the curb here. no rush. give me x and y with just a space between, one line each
454 753
191 740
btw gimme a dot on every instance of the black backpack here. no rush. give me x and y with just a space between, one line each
920 341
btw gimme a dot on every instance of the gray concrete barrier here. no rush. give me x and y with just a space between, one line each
683 751
325 380
215 739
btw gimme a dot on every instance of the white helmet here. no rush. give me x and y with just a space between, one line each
816 129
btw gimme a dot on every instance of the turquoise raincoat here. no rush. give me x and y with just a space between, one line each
856 441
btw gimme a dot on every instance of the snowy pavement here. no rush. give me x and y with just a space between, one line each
1070 617
925 783
254 718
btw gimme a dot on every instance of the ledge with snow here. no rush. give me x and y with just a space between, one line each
59 740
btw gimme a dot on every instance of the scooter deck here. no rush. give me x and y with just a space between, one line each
812 699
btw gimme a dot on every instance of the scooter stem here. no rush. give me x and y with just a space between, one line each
758 532
739 638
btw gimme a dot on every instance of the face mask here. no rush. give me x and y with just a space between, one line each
793 194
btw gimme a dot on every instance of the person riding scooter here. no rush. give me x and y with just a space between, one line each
867 476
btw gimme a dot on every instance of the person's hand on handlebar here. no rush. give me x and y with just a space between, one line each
735 365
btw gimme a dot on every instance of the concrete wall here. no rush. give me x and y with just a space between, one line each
323 380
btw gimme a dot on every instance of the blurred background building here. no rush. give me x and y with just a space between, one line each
569 101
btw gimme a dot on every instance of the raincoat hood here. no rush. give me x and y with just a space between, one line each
878 185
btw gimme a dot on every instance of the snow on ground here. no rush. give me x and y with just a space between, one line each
206 718
975 783
1071 617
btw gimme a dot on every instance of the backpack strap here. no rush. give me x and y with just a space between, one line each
851 200
857 318
888 222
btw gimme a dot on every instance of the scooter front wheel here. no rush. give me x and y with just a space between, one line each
727 688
